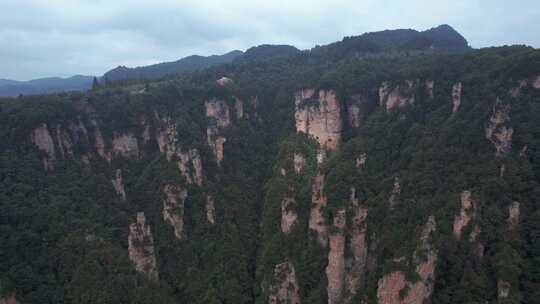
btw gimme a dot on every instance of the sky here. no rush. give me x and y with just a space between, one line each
42 38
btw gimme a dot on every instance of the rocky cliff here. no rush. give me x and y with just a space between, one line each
173 209
285 285
141 248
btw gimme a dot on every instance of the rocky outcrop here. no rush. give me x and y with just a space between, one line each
141 248
516 91
396 95
319 116
8 299
284 288
361 160
299 162
514 214
216 142
456 96
317 221
223 81
118 184
173 208
239 108
465 214
430 85
321 156
356 263
125 145
497 131
65 144
503 290
189 161
100 141
536 82
335 270
356 110
396 191
210 210
218 110
391 287
41 138
288 214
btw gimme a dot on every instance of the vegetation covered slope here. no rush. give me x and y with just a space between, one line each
185 190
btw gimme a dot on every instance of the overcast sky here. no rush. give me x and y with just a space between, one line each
40 38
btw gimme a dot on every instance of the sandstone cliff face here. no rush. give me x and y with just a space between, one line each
396 191
125 145
430 85
216 142
497 131
141 248
188 162
361 160
9 299
118 184
173 208
223 81
356 264
288 214
503 290
356 110
285 289
65 145
456 96
210 210
42 139
465 214
536 83
218 110
239 108
335 271
390 286
319 116
317 221
100 141
299 162
396 96
516 91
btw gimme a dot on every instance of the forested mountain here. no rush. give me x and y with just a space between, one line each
44 85
381 177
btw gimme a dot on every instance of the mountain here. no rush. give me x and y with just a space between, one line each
268 51
44 85
160 70
392 177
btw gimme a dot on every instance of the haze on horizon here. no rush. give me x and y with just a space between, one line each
43 38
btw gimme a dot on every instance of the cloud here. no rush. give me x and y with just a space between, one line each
64 37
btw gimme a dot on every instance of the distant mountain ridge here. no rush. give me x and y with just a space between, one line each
442 38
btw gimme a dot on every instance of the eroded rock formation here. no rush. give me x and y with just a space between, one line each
503 290
118 184
335 271
100 141
356 110
125 145
216 142
299 162
210 210
430 85
397 95
514 214
396 191
218 110
173 208
239 108
288 214
65 144
456 96
41 138
319 116
285 287
361 160
465 214
356 263
141 248
223 81
536 82
8 299
317 222
498 132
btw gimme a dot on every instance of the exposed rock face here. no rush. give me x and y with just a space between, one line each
299 162
396 191
42 139
430 84
239 108
464 216
210 210
188 162
356 265
65 145
285 288
216 142
125 145
100 142
118 184
173 208
335 271
145 130
390 286
356 109
456 96
317 222
288 214
219 111
8 299
141 248
516 91
396 96
321 156
497 131
361 160
536 83
319 116
223 81
514 214
503 290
